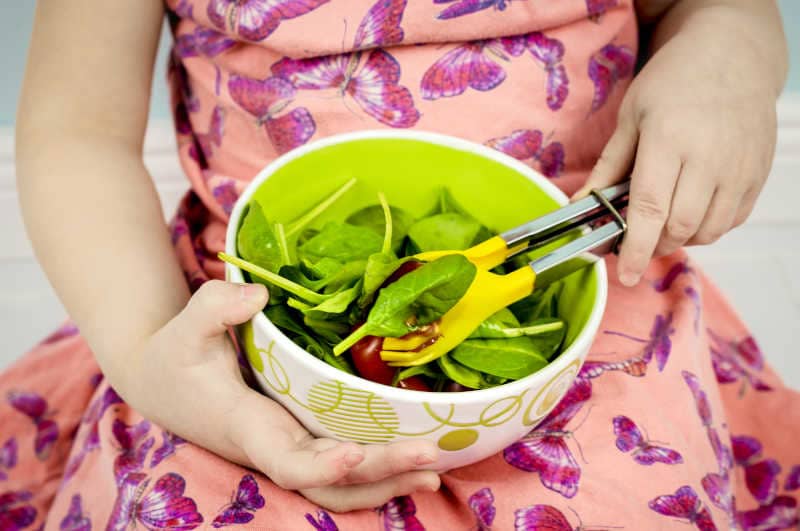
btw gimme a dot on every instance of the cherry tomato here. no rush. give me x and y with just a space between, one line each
413 382
366 356
454 387
404 269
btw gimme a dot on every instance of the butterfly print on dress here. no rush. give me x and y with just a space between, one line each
685 505
400 514
525 144
15 513
164 507
75 520
629 437
659 345
607 67
466 7
544 450
255 20
36 409
471 65
266 100
373 83
243 505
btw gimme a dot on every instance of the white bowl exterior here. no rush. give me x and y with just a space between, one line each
468 426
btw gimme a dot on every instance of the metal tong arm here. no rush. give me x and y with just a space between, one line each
551 226
575 255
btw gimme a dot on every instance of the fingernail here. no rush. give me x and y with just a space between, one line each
353 458
629 279
425 459
249 291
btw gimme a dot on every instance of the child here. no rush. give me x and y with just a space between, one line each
155 426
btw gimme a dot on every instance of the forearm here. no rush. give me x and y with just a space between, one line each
757 24
95 221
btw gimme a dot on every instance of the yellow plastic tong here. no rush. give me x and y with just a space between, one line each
489 292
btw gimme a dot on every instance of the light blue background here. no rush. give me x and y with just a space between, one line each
16 19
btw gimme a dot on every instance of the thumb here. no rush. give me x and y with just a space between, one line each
218 305
616 159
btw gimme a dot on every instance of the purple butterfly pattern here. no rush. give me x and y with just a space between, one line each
761 475
15 513
525 144
635 367
644 452
597 8
685 505
243 504
482 504
374 83
549 52
35 408
133 447
202 148
8 457
266 99
665 283
65 331
164 507
545 518
694 296
255 20
471 65
167 448
737 361
793 479
204 42
91 440
466 7
659 344
544 450
322 522
780 514
607 67
75 520
718 488
399 514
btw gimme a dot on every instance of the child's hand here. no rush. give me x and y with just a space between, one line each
186 378
698 125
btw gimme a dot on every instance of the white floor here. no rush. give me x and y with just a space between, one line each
756 265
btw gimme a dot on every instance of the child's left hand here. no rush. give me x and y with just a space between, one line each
698 124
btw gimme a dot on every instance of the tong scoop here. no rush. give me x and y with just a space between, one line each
490 292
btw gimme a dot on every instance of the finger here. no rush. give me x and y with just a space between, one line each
690 202
719 218
275 443
652 185
218 305
747 205
382 461
370 495
615 160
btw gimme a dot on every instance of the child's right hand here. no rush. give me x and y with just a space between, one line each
186 378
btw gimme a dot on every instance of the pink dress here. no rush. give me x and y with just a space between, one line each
682 426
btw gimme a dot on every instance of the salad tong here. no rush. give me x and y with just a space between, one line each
599 226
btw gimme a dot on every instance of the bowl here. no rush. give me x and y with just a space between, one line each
410 168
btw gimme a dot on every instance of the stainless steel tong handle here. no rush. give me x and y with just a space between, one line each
584 250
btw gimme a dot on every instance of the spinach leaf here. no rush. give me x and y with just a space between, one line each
494 326
256 240
342 242
373 218
512 358
444 231
273 278
379 267
417 298
417 370
549 336
461 374
540 304
302 222
283 319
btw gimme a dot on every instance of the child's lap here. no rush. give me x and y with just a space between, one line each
595 470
